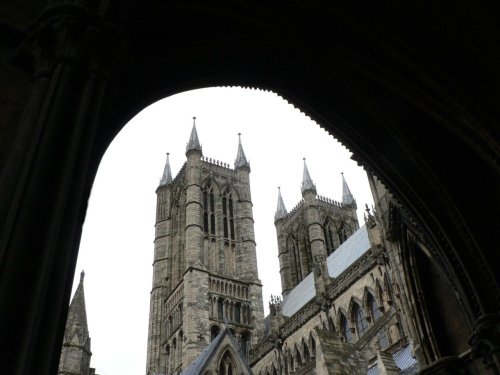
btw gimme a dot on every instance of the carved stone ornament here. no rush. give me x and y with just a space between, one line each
485 341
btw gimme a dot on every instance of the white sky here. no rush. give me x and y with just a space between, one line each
116 249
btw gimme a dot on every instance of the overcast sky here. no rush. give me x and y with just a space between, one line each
116 249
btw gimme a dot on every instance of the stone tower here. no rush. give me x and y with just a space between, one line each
310 232
75 353
205 266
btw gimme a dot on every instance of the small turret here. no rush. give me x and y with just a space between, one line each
307 183
167 174
281 211
241 160
194 143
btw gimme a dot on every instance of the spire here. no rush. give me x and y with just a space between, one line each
347 197
281 211
307 183
241 159
194 143
77 313
167 174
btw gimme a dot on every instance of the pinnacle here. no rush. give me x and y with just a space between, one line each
241 159
307 183
281 211
194 142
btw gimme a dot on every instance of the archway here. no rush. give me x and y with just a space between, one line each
345 69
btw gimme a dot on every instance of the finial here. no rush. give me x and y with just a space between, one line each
82 275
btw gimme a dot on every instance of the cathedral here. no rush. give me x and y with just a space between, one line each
342 307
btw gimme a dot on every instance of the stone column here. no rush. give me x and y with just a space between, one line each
47 179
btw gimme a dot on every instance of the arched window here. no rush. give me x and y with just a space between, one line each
228 215
374 309
295 261
209 210
214 332
227 366
220 308
329 236
360 319
307 356
345 329
342 233
237 312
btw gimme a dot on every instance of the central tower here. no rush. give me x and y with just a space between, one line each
205 264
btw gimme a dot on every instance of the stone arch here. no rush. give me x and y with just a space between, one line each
424 93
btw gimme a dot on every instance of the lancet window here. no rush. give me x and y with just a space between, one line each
342 233
329 234
228 215
209 210
226 366
374 309
360 319
345 329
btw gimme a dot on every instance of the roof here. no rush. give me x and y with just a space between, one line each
202 361
345 255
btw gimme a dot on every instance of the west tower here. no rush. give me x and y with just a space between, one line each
205 266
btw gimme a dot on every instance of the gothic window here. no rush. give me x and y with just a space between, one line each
342 233
237 312
345 329
374 309
180 312
209 210
228 215
360 319
227 366
329 236
307 356
293 249
214 332
220 309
